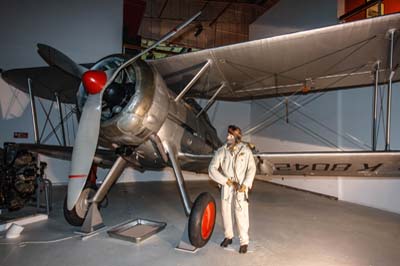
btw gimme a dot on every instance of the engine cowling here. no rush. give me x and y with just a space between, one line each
134 106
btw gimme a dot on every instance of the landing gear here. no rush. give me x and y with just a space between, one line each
202 220
201 213
93 220
77 215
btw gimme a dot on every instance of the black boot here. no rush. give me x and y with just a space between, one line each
243 249
226 242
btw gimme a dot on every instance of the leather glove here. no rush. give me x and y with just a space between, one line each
235 185
242 188
229 182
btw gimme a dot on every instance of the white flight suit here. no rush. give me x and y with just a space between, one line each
240 167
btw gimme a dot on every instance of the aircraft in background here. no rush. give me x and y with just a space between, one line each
144 114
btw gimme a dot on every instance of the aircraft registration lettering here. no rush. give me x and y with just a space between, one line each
300 167
320 166
371 168
324 167
282 166
341 166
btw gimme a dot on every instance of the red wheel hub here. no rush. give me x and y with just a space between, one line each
208 220
94 81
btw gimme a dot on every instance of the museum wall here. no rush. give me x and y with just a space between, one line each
334 121
71 27
86 36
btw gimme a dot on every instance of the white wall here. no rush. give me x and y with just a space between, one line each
70 26
86 31
349 113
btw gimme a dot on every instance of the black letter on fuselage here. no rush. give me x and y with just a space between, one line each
372 168
325 165
300 167
282 166
341 167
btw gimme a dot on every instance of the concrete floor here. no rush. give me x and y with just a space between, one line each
287 227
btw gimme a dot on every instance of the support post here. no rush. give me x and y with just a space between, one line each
389 97
61 118
211 101
375 107
34 113
193 81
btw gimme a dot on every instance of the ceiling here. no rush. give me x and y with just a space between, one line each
222 22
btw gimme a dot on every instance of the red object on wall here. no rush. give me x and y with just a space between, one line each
133 14
352 4
20 135
391 6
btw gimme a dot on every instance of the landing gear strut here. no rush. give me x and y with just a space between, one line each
201 213
77 215
93 220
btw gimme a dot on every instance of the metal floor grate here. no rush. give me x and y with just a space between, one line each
136 230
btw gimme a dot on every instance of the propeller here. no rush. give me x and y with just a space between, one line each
54 57
87 135
94 82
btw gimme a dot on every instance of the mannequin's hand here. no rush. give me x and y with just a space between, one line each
229 182
242 188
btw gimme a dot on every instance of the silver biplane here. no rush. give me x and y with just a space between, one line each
143 114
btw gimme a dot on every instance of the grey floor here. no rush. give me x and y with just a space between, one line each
287 227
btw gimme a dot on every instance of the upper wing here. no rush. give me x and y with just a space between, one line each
45 82
362 164
339 56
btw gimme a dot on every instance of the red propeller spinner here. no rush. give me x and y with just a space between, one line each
94 81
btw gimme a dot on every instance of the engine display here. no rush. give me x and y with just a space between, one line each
18 173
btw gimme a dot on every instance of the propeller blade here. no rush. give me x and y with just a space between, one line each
53 57
87 135
84 147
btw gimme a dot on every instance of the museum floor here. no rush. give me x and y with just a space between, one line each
287 227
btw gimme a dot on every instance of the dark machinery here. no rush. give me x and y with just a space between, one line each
19 176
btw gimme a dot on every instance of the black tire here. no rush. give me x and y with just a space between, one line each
77 217
204 208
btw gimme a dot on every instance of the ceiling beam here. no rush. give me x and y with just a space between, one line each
235 3
220 14
162 9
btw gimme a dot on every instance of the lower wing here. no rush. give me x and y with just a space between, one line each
354 163
103 158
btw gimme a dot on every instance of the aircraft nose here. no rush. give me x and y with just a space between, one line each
94 81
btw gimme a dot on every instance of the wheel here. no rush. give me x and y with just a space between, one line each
77 215
202 220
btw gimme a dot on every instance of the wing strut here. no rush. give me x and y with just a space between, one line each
34 113
391 32
193 81
61 118
211 101
375 105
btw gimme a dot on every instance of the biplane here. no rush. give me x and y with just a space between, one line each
144 114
